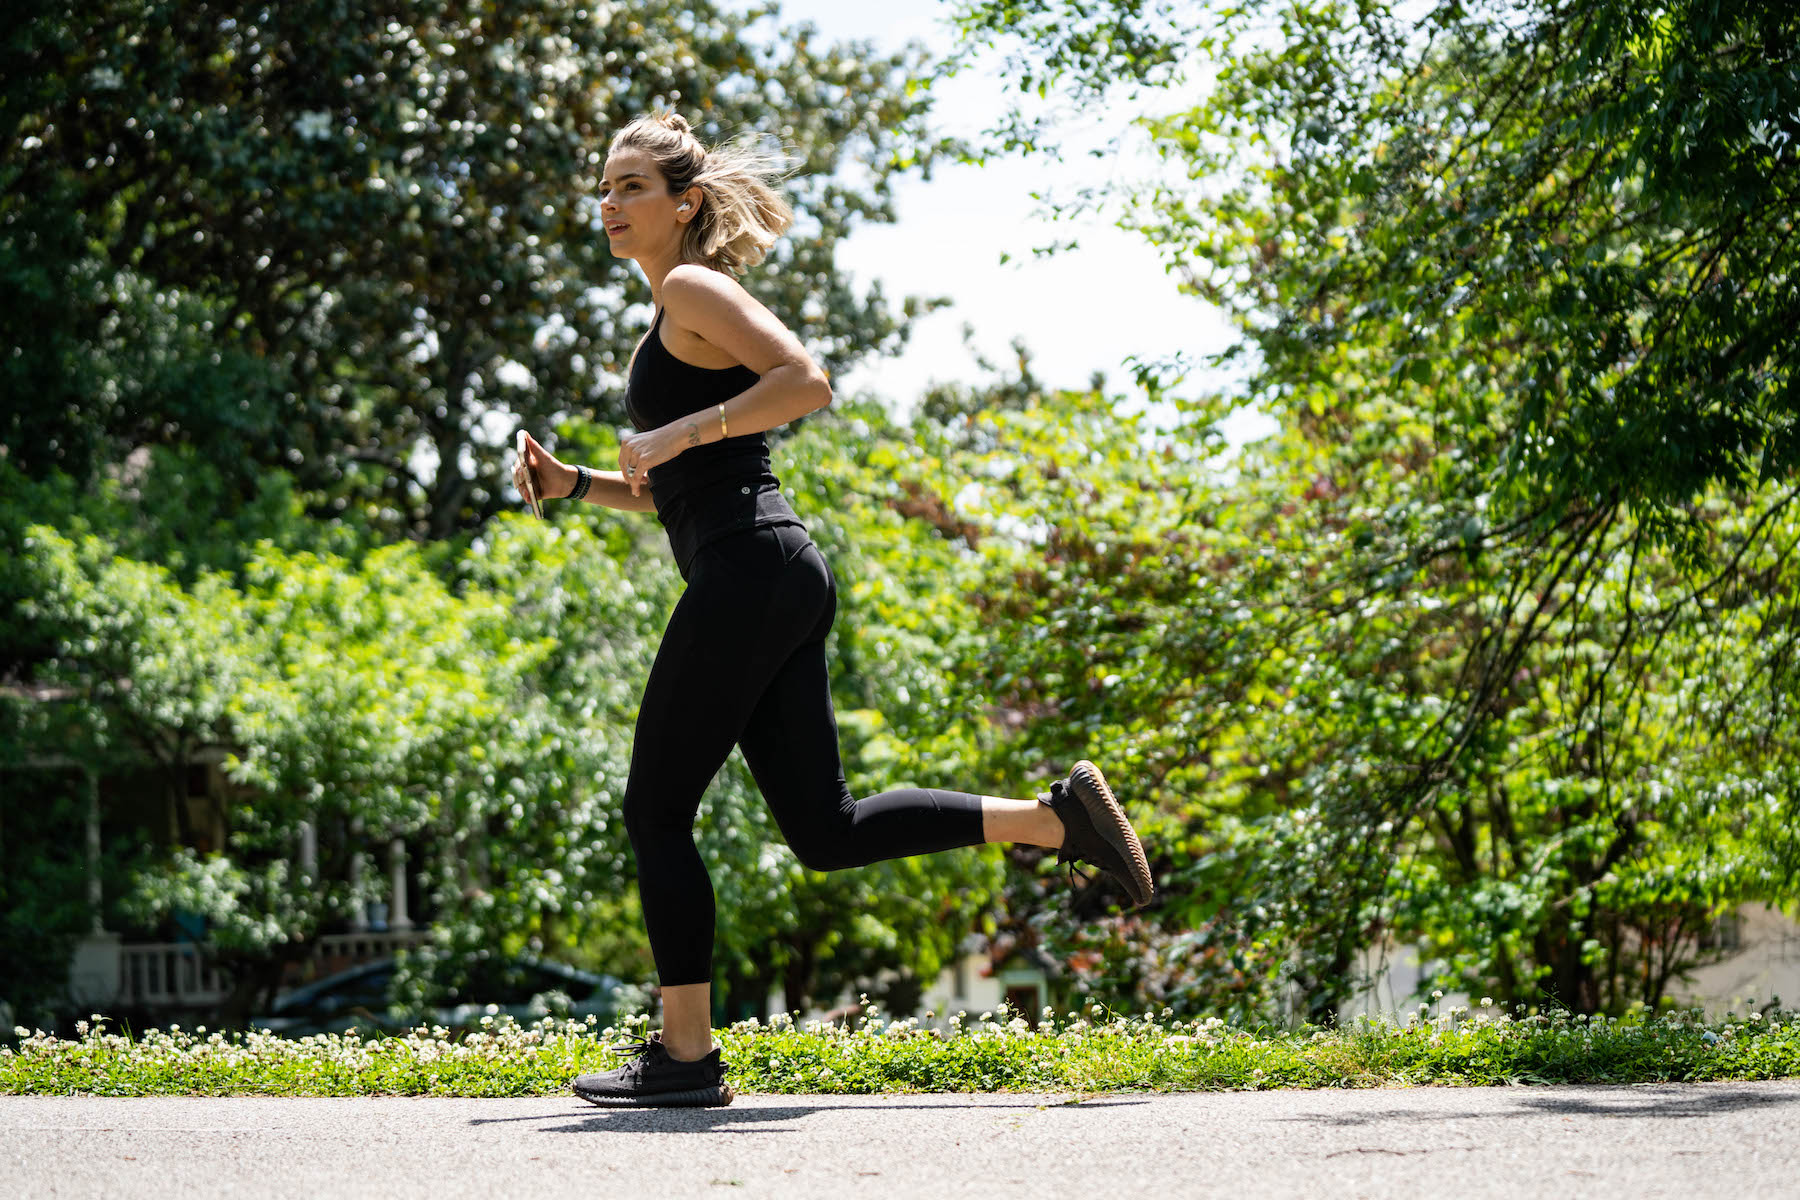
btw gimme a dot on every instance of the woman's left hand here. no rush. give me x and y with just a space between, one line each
649 449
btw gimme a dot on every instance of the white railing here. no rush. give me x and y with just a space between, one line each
174 974
168 974
363 946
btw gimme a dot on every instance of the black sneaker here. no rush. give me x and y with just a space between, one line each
653 1079
1096 831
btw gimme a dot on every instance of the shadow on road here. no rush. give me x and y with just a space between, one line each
717 1120
1602 1101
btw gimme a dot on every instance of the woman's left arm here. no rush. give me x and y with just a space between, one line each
717 307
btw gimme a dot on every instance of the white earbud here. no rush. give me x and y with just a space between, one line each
684 208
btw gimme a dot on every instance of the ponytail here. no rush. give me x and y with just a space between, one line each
741 214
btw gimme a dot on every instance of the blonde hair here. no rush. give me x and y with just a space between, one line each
741 214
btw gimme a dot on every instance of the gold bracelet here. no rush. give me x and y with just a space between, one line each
723 431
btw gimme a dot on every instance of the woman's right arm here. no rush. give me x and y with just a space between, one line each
557 480
609 488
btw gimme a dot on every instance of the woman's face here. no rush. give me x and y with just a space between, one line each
642 219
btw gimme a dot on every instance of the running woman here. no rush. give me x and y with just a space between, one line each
742 661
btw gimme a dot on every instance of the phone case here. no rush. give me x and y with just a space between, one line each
533 496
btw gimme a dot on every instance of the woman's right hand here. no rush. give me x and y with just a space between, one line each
555 481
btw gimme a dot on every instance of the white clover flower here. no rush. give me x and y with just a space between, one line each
1487 1002
1438 994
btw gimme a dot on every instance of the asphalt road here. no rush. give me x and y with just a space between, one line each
1736 1140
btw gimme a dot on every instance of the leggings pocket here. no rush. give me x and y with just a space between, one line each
793 539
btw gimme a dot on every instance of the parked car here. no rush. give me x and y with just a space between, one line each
525 988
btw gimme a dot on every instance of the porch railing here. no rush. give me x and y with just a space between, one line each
176 974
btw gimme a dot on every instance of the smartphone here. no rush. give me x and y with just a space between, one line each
532 496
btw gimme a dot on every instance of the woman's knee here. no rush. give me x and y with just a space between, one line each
827 847
647 821
817 855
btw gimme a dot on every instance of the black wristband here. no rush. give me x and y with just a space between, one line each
582 481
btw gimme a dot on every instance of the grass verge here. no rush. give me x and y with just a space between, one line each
1075 1054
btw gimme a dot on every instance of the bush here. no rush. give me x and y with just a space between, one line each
1096 1052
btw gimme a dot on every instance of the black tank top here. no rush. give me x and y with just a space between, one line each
712 490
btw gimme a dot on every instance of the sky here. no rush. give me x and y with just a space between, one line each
1079 311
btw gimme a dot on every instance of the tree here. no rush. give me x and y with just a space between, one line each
348 247
1521 283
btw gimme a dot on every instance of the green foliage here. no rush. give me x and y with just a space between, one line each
1491 650
358 699
880 1056
1574 220
477 702
43 909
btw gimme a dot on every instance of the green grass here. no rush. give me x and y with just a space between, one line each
1072 1054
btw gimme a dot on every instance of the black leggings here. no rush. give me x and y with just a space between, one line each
743 661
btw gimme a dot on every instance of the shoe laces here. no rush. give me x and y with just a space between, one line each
1054 798
637 1048
640 1049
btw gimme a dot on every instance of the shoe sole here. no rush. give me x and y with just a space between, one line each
706 1097
1110 822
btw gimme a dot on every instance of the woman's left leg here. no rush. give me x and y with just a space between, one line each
791 746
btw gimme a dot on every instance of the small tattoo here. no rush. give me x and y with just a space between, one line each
693 434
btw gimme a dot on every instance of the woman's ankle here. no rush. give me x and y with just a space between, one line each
1028 822
686 1052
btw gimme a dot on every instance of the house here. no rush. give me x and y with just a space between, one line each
1756 961
142 800
982 976
1760 963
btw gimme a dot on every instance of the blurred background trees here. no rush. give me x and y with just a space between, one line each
1490 650
1519 281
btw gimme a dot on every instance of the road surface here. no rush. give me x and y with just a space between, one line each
1735 1140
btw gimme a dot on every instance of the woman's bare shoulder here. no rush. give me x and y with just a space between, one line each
691 283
